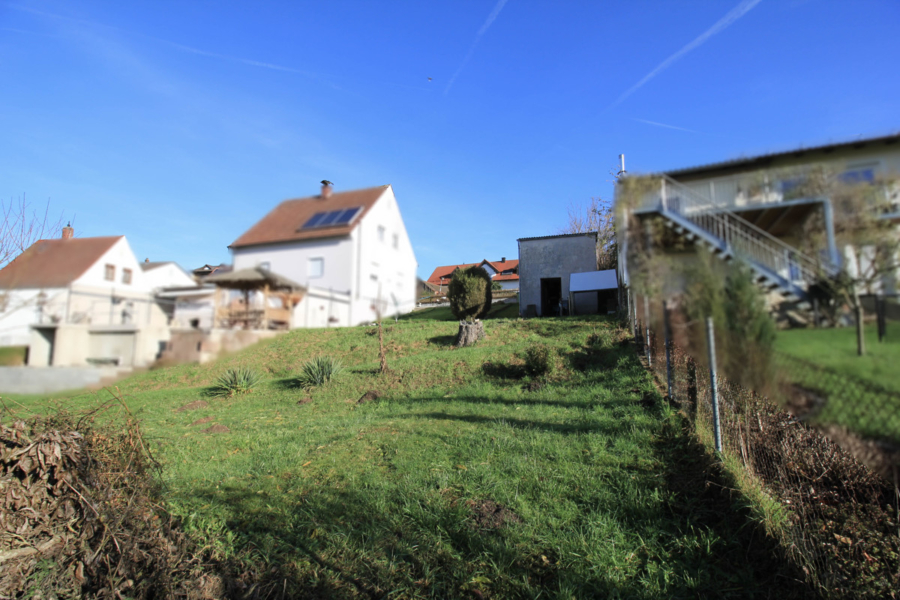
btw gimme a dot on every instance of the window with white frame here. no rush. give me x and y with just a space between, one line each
381 233
316 267
396 241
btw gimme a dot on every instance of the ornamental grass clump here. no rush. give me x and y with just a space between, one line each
234 382
320 370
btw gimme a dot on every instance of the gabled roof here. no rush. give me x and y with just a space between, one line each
284 221
54 263
500 266
443 274
149 266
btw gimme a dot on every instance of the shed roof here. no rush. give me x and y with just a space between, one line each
254 278
764 160
54 263
561 235
593 280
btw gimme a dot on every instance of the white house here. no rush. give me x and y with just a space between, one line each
349 250
165 274
77 301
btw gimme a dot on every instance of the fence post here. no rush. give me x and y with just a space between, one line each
713 381
815 313
880 311
647 327
668 331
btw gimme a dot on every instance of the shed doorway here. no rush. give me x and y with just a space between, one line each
551 295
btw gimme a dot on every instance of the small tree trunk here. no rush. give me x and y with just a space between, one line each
381 355
860 333
469 333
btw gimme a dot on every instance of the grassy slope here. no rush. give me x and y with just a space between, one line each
836 349
347 500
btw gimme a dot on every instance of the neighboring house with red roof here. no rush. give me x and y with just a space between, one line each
505 272
75 301
349 250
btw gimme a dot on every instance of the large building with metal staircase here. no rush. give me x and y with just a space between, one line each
755 209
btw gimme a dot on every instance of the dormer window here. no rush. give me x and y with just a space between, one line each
109 273
126 276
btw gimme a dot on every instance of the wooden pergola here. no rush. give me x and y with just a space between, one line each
256 279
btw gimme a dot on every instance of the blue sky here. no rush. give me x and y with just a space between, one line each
180 124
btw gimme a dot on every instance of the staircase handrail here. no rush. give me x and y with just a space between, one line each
726 225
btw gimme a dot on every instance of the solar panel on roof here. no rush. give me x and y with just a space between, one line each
314 220
347 215
330 218
333 218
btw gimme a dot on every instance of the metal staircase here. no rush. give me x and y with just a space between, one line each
776 265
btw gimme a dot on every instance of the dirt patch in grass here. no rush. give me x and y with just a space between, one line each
216 429
202 421
490 515
195 405
304 400
369 396
534 386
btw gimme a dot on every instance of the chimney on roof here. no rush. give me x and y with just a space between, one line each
503 259
68 232
146 260
327 188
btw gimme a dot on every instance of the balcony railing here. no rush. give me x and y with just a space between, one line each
737 236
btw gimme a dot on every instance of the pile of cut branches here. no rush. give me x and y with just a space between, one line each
80 514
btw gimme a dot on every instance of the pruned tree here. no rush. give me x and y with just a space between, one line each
598 215
470 299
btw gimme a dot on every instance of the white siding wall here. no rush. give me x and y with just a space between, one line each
381 263
292 261
167 275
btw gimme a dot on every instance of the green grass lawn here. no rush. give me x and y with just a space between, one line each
457 482
836 349
499 310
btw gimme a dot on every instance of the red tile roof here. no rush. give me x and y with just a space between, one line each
54 263
282 222
442 275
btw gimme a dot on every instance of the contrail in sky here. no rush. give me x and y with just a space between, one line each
736 13
645 121
491 17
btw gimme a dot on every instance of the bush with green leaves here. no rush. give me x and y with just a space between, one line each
538 360
469 293
236 381
319 370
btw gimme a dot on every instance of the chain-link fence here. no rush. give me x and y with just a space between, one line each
816 458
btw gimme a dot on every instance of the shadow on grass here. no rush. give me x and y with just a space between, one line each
346 543
288 384
703 498
442 340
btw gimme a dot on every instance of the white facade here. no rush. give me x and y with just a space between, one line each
95 313
346 275
167 275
